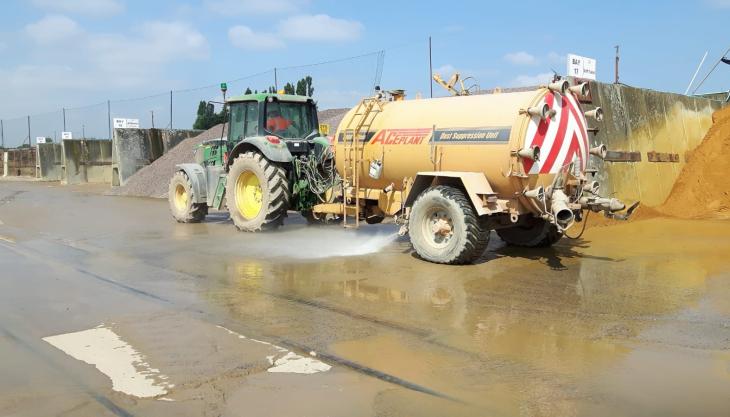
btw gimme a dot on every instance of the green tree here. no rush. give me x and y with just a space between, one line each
289 89
207 118
248 91
304 87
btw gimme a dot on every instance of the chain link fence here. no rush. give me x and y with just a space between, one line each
337 83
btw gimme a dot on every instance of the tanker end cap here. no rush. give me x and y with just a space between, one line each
600 151
596 114
532 153
560 86
580 89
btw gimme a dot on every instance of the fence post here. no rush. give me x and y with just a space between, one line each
109 117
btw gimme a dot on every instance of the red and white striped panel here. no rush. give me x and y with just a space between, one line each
561 139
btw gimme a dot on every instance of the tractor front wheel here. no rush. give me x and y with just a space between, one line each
180 196
257 193
444 227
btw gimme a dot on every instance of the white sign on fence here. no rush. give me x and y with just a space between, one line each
40 139
67 135
581 67
126 123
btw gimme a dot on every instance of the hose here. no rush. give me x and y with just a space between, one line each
583 229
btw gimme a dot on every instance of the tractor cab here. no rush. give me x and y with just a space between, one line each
279 118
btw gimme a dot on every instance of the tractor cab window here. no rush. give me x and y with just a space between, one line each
244 120
289 120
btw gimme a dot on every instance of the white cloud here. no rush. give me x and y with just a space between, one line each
320 27
520 58
87 61
240 7
85 7
245 38
313 28
132 58
53 29
532 80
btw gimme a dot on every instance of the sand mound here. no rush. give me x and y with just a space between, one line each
702 189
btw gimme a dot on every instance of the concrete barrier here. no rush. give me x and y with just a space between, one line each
87 161
49 161
659 128
19 162
132 149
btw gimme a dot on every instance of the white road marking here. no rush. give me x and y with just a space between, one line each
297 364
116 359
290 362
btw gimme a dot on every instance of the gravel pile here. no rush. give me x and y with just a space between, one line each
153 179
332 117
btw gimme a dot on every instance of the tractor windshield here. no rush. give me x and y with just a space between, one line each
290 120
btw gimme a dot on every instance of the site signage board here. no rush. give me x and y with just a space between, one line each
120 123
581 67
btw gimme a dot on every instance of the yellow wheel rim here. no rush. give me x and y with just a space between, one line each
181 197
248 195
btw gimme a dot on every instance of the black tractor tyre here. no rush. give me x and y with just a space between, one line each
180 195
536 233
269 192
468 238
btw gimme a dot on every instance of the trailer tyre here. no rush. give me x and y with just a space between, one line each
180 196
536 233
445 229
257 193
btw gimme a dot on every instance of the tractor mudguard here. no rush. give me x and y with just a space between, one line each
274 152
198 180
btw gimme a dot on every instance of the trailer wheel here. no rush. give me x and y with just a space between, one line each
180 196
444 227
257 193
536 233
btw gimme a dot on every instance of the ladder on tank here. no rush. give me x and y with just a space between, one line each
353 141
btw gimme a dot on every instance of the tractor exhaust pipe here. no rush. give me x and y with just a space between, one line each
559 207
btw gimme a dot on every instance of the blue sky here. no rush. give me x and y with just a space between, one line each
69 53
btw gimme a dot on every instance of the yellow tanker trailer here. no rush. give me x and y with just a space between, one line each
452 169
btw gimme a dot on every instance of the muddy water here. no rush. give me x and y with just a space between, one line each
632 319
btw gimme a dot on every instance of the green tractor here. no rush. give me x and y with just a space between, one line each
273 160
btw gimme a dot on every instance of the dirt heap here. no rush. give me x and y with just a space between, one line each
153 180
332 117
702 189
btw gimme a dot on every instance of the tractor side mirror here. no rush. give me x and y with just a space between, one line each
210 108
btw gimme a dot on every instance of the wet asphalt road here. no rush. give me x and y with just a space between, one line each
633 319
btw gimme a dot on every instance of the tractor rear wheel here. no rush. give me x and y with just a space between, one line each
536 233
180 196
444 227
257 193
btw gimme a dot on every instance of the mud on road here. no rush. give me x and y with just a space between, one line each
107 307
